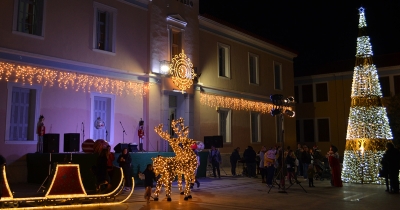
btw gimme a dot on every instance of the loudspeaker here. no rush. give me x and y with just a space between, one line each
71 142
51 142
216 141
120 147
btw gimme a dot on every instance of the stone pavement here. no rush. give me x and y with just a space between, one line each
249 193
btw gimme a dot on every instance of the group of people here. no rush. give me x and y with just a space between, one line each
288 163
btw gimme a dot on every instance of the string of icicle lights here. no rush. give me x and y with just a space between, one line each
73 80
236 103
368 128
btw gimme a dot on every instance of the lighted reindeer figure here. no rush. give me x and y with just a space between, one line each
164 166
184 163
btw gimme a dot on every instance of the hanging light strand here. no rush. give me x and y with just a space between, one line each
70 80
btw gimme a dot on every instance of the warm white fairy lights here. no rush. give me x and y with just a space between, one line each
236 103
69 80
365 82
364 47
181 69
184 163
368 128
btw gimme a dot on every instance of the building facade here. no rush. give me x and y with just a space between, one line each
324 100
102 63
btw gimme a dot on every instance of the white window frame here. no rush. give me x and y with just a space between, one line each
113 19
15 22
256 63
258 128
10 86
227 60
112 114
316 128
280 75
228 125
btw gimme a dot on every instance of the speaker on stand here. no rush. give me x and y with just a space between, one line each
71 142
51 142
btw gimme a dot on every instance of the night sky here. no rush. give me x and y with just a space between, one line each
320 32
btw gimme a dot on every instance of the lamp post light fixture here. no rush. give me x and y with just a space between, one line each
281 108
164 67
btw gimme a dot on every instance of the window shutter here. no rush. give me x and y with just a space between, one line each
100 110
19 114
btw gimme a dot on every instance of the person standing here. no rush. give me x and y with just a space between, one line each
290 164
310 174
124 161
40 131
393 163
306 160
333 158
149 177
214 157
2 165
261 166
298 153
101 171
110 160
249 156
234 158
269 160
195 172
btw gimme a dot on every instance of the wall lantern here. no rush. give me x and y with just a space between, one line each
164 67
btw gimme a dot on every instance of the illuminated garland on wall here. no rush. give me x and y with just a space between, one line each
368 128
182 71
73 80
235 103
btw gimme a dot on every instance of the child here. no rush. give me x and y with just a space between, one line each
310 174
149 176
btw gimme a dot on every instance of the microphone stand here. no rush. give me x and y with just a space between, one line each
106 136
123 132
83 133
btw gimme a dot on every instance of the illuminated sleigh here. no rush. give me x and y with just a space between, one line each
65 189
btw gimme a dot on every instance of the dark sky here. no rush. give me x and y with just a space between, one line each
320 31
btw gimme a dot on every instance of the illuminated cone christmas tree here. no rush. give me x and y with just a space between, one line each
368 128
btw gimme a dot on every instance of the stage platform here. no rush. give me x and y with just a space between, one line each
38 165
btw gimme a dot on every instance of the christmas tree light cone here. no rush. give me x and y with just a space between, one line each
368 128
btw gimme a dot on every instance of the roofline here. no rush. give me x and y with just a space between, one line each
212 25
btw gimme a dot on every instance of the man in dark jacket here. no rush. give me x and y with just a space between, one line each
235 157
392 158
249 156
306 161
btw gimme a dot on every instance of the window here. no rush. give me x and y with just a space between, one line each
253 68
321 91
298 131
385 86
307 93
255 127
28 16
22 113
224 124
176 42
308 126
223 60
296 94
323 130
396 85
102 105
278 76
104 27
